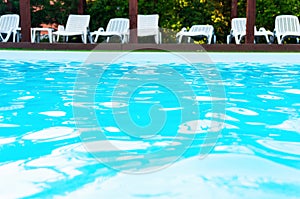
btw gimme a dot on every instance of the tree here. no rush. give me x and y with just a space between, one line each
103 10
52 12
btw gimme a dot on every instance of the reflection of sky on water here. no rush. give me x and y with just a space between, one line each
216 176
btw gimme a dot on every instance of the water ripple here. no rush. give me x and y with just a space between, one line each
51 134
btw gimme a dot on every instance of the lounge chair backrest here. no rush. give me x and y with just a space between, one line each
287 23
238 25
120 25
147 21
77 23
9 22
202 28
147 24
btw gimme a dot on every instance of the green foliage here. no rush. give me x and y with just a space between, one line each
291 7
174 14
4 9
103 10
42 11
267 10
56 12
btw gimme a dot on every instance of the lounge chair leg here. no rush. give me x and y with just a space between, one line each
237 40
1 38
208 40
228 39
14 37
180 39
84 38
156 39
267 39
96 38
278 40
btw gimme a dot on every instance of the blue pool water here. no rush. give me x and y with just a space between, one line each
149 125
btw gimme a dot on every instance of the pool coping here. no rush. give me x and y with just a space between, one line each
146 56
153 47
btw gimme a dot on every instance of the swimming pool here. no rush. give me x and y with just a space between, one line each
211 125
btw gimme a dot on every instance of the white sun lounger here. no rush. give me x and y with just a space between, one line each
238 31
286 26
115 27
76 25
147 25
197 31
9 24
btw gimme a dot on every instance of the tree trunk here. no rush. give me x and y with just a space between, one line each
133 12
25 20
251 17
81 7
9 6
234 9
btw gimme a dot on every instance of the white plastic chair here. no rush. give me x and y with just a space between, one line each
76 25
286 26
238 28
197 31
147 25
238 31
115 27
9 24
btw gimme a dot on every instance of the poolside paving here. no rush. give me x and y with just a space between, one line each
149 46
